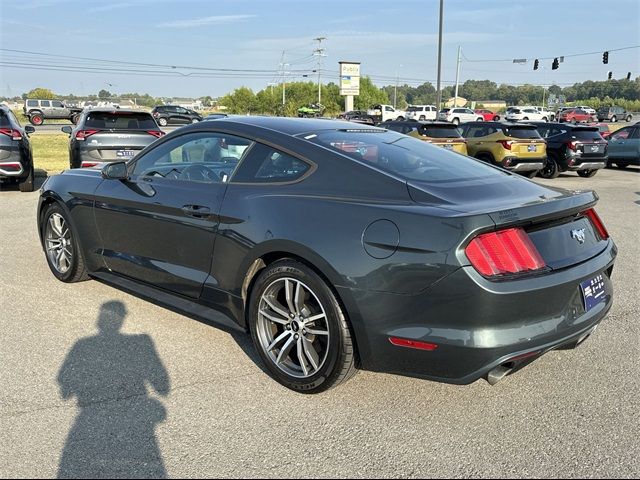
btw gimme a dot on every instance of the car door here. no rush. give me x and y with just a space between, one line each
45 106
182 115
160 225
623 144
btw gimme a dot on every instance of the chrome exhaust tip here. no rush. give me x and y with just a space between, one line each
498 373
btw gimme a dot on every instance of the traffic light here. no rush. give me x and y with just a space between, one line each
629 76
610 75
535 64
555 64
605 57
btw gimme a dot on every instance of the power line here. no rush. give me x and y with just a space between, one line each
510 60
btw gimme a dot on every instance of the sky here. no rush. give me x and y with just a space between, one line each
193 48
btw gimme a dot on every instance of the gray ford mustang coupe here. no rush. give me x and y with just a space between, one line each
339 246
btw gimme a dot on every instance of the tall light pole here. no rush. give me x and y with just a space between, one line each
455 98
319 52
439 95
395 90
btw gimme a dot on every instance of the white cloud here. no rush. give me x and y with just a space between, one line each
199 22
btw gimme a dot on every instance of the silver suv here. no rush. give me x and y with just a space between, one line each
37 111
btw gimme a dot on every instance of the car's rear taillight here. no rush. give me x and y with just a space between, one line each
156 133
85 164
597 223
504 252
572 145
506 143
10 132
83 134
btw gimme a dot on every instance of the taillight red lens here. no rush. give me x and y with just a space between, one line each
506 143
83 134
504 252
572 145
88 164
14 134
404 342
597 223
155 133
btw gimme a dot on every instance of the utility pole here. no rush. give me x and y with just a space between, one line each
455 99
319 52
395 90
439 94
284 84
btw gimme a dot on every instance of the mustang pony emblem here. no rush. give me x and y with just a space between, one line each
579 235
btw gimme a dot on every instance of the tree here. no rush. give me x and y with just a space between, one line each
241 101
41 93
104 94
369 95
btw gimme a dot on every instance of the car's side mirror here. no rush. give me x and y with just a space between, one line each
115 171
29 129
66 129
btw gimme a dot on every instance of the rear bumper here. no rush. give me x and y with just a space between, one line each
12 165
477 324
517 164
587 165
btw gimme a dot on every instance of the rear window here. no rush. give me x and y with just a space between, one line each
407 157
120 121
515 110
521 132
439 132
4 120
586 134
445 110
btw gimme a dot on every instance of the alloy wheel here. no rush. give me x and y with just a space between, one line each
59 243
292 328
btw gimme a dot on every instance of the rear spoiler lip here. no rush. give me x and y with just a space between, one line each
553 208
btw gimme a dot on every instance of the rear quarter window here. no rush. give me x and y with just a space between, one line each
5 122
264 164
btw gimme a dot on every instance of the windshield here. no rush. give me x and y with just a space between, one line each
522 132
406 157
440 132
121 121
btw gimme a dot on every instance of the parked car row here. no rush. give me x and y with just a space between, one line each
533 148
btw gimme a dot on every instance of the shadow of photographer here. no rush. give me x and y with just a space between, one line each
108 373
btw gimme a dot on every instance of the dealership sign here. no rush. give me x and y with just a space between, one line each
349 78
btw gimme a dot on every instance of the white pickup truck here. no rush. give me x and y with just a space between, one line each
382 113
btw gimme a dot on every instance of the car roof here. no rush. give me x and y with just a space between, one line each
500 123
292 125
566 125
115 110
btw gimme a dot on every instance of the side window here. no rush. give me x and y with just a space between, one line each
474 132
32 103
621 134
56 104
635 134
45 103
388 109
268 165
203 157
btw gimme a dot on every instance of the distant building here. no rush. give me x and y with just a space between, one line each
456 102
188 103
492 104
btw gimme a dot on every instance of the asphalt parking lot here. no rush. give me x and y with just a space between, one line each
166 395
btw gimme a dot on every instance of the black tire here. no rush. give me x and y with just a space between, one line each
573 121
27 184
614 119
525 118
550 170
628 119
587 173
74 118
162 122
456 121
400 119
76 271
621 165
531 174
544 119
338 362
36 118
422 118
486 157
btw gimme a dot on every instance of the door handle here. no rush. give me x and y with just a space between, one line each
197 211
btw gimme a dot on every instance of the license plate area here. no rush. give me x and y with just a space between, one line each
447 146
593 291
125 153
532 148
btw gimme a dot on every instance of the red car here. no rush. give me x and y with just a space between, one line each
575 115
487 115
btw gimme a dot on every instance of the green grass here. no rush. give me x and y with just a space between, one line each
50 152
25 121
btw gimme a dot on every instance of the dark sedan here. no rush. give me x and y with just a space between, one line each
16 158
339 246
106 135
